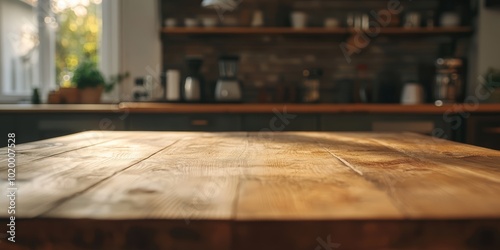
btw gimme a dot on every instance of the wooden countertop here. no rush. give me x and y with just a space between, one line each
307 108
170 108
290 190
59 108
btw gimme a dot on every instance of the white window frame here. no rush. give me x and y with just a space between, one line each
8 98
108 53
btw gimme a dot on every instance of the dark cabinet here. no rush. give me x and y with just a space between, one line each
59 125
280 121
194 122
32 127
484 131
345 122
435 125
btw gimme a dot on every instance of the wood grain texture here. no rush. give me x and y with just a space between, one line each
52 179
34 151
419 183
290 190
290 176
196 178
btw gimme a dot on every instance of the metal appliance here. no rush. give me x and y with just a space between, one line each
193 85
228 88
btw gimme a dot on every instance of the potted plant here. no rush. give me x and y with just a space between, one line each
91 83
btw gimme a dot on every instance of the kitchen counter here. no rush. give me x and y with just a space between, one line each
170 108
290 190
58 108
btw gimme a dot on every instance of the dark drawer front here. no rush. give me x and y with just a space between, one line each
484 131
33 127
346 122
280 122
160 122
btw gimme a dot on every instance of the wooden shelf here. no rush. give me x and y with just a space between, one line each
311 31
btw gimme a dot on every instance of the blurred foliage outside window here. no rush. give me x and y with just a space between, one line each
78 35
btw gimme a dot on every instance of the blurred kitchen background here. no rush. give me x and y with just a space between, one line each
339 65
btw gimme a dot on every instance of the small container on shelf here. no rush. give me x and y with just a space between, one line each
298 19
170 22
191 22
140 92
311 85
209 21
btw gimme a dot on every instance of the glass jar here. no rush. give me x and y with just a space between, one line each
311 85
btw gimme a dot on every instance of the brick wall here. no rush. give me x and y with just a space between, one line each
267 61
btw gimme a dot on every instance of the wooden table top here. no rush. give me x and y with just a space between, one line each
290 190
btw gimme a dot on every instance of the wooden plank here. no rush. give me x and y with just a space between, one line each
197 178
50 181
290 176
30 152
481 162
421 187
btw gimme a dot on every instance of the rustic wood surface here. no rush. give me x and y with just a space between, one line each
290 190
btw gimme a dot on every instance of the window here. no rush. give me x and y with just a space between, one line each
18 47
43 41
77 37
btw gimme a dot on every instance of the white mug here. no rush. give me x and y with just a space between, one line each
191 22
413 93
170 22
299 19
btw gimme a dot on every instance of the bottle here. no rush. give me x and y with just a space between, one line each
344 84
35 97
149 85
363 87
140 93
311 85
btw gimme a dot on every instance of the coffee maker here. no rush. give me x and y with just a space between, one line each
228 88
193 86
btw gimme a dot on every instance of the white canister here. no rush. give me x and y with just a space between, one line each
172 92
413 93
450 19
170 22
299 19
